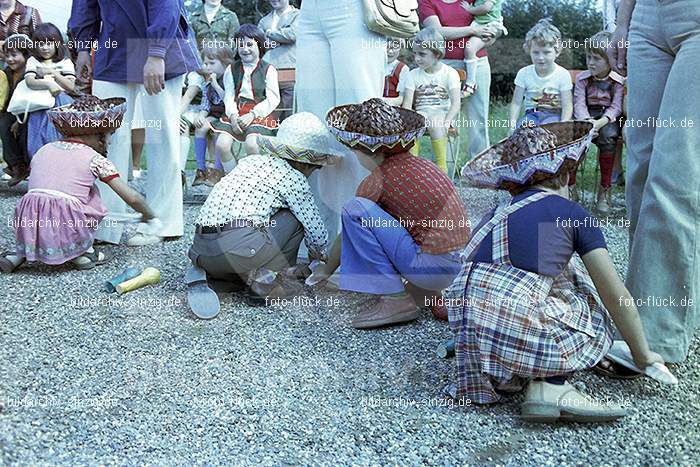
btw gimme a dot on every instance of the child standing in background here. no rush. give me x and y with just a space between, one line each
13 134
396 73
598 97
49 69
436 89
544 86
486 13
216 61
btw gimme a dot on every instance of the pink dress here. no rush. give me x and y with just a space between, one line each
57 218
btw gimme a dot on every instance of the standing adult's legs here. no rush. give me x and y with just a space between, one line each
476 109
164 185
664 267
358 57
118 152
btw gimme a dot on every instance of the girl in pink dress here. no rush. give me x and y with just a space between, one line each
56 220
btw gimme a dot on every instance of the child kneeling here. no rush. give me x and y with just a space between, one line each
525 309
56 220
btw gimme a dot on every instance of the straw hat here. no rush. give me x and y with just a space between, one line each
301 137
88 115
375 125
530 155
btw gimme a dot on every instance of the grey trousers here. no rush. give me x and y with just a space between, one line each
663 181
231 255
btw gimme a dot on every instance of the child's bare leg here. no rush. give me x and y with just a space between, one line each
474 45
251 144
223 147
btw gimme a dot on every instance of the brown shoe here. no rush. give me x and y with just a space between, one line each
387 311
19 173
213 176
200 177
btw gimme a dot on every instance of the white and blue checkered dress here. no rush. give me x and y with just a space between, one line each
514 325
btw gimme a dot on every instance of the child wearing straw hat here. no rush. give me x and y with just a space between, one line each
55 221
537 290
407 221
251 226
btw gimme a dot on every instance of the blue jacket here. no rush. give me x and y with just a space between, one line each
126 32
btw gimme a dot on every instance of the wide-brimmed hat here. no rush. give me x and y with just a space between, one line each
88 115
530 155
375 125
302 137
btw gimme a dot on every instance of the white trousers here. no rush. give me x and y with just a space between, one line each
339 61
162 146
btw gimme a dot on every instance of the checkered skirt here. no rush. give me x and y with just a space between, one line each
514 325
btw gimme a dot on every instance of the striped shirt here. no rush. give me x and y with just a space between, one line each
421 197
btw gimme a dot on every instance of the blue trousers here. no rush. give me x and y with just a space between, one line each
377 251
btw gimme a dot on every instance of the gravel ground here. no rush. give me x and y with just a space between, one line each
88 378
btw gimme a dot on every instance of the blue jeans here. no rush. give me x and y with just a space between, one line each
663 181
377 252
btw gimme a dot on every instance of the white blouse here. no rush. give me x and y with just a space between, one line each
262 109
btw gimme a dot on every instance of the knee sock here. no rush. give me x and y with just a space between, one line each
440 151
572 178
605 161
415 149
219 165
200 152
471 66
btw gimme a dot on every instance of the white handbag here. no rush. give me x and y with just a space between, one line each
393 18
25 101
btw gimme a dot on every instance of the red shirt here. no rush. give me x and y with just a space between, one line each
450 15
419 195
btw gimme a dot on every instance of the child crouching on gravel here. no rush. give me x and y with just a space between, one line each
56 220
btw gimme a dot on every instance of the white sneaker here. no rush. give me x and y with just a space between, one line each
143 240
546 402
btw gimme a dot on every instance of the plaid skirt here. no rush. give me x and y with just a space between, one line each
512 325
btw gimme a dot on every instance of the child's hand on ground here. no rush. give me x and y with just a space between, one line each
649 358
244 121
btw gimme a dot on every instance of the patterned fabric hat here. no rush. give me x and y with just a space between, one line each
530 155
301 137
88 115
375 125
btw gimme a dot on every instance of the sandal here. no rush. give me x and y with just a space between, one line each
611 369
8 266
94 258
